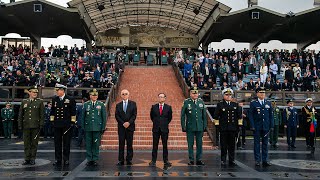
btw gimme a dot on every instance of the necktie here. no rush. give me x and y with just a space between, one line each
125 106
262 103
92 104
160 109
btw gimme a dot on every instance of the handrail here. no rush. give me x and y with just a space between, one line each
211 129
181 81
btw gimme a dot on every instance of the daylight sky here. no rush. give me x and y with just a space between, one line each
282 6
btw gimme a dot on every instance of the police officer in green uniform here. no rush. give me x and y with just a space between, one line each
277 118
7 115
228 116
31 120
194 122
94 123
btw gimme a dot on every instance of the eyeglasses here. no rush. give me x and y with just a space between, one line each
124 94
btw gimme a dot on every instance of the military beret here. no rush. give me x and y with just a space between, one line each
93 92
227 91
289 101
60 86
309 99
33 89
194 90
260 90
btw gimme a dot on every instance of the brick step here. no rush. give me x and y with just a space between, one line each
149 147
148 142
149 137
149 128
143 133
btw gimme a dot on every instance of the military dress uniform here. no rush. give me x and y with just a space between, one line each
194 122
63 116
94 123
291 120
7 115
31 121
277 121
306 122
261 119
228 116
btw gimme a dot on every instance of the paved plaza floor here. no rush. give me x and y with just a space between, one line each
286 164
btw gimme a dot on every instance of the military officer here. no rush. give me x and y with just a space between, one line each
7 115
63 116
277 121
291 122
194 122
31 121
261 119
228 116
94 122
307 112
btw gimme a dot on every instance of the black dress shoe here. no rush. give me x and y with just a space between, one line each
129 163
26 162
120 163
94 163
223 163
232 163
200 163
293 146
66 163
152 163
266 164
32 162
57 163
89 163
191 163
167 163
257 163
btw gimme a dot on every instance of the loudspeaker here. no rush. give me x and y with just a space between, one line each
255 15
37 8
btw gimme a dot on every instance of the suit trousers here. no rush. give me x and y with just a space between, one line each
7 128
227 142
92 139
30 144
62 142
164 138
125 135
258 135
190 139
291 135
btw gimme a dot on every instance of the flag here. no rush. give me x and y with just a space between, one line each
313 124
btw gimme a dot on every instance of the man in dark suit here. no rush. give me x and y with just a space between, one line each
126 113
161 116
63 116
251 85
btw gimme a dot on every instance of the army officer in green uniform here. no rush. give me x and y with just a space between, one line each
194 122
94 123
31 120
7 115
277 118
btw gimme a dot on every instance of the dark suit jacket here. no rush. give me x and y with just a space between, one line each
161 121
129 116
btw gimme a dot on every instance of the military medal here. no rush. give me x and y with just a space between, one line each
201 105
25 105
189 106
66 101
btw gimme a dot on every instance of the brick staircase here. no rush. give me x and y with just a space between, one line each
144 85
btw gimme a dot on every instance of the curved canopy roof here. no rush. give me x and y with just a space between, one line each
184 15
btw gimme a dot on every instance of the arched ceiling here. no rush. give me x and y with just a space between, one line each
176 14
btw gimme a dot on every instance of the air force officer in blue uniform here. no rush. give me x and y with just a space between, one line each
261 119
